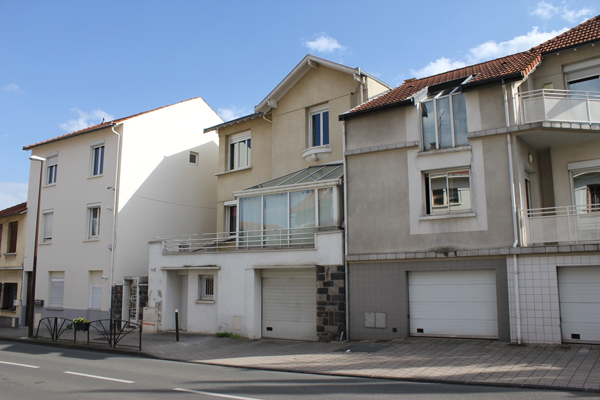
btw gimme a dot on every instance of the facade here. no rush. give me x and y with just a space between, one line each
473 199
276 267
106 191
12 245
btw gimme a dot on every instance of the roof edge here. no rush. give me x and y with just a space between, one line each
401 103
233 122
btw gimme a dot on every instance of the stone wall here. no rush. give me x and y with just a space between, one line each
331 302
117 302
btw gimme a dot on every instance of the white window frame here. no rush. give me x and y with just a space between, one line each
51 169
195 155
434 100
47 214
96 167
60 283
228 206
233 159
93 231
314 111
206 287
429 194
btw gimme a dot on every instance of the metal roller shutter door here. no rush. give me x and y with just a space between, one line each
453 303
579 295
289 304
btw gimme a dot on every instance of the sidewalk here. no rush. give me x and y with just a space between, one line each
487 362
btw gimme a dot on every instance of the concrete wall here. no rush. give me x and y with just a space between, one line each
16 260
551 68
382 287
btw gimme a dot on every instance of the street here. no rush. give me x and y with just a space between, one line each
38 371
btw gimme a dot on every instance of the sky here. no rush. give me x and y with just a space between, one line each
66 65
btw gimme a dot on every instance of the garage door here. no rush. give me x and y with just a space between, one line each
579 295
453 303
289 304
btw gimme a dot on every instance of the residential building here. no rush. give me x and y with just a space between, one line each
106 191
276 269
473 198
12 246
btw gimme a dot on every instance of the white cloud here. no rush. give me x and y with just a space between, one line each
12 87
12 194
546 10
487 51
234 112
324 44
85 120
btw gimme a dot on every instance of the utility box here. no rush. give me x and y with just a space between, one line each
150 320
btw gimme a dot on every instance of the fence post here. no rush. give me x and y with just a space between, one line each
177 325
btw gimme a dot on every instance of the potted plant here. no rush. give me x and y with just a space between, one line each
81 324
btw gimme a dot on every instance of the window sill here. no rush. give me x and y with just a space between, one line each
10 254
317 153
446 150
50 185
205 302
45 243
95 176
55 308
233 170
92 240
447 216
94 309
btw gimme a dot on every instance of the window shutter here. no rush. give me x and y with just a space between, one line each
48 222
96 300
14 230
56 291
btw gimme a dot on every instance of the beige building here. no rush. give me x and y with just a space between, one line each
12 247
276 267
106 191
473 198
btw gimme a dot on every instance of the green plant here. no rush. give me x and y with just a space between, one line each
81 320
229 335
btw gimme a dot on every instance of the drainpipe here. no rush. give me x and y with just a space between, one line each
514 216
114 224
346 270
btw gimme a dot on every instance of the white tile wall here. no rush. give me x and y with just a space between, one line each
538 293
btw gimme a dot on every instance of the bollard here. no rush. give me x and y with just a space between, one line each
177 325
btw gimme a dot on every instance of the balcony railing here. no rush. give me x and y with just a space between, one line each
266 239
554 105
560 225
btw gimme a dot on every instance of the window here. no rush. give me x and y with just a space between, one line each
586 186
97 167
93 222
448 192
318 127
206 287
240 151
57 288
193 158
51 170
231 220
95 295
11 243
48 217
8 295
444 120
528 198
586 85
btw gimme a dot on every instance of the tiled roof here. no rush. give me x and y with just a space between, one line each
519 64
19 208
98 126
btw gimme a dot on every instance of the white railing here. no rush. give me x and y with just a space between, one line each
560 225
559 106
266 239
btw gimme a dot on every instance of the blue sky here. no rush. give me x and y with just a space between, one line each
65 65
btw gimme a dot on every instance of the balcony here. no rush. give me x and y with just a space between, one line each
560 225
552 105
258 240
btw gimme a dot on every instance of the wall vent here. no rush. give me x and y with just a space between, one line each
575 336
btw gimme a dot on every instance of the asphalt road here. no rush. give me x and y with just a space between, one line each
29 371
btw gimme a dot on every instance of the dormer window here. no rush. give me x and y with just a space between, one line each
444 120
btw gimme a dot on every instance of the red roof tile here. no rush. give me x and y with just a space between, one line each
98 126
19 208
516 64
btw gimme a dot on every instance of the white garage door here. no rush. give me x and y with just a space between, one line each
453 303
289 304
579 295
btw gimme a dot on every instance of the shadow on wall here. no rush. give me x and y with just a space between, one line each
178 197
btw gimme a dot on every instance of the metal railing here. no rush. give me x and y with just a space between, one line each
568 225
102 331
555 105
266 239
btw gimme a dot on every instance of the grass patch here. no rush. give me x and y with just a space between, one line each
229 335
